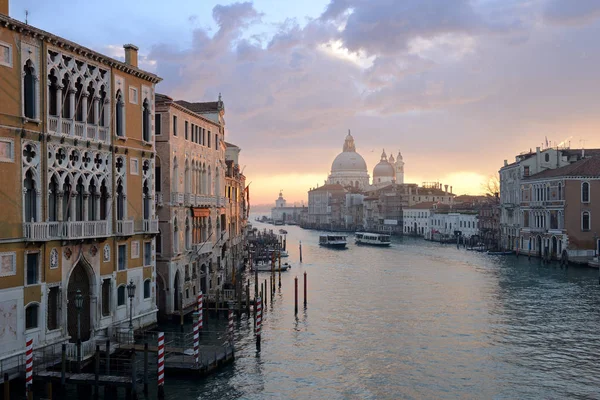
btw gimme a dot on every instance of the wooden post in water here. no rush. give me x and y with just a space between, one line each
161 365
107 368
258 321
181 312
296 295
63 367
133 376
304 289
248 298
49 390
300 251
217 304
146 368
6 386
97 373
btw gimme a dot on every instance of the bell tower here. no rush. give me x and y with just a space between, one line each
399 168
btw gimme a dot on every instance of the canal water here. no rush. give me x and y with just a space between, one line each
417 320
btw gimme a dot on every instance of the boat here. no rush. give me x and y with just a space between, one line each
283 253
335 241
499 253
283 232
263 266
373 239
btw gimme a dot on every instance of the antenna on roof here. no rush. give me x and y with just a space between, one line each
26 15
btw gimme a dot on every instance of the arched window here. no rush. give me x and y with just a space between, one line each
91 118
103 201
79 200
120 200
175 236
92 207
585 192
66 100
102 109
66 204
29 90
159 242
146 121
31 316
30 198
53 94
119 117
175 179
121 295
146 204
53 199
187 234
187 177
547 157
157 175
79 100
585 221
559 191
147 290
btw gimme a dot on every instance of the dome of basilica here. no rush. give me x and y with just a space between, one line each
384 169
349 160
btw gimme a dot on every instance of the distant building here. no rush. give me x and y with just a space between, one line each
489 222
349 169
325 206
284 214
416 219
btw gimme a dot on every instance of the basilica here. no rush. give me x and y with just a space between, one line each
349 169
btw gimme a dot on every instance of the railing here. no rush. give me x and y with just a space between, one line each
151 225
66 127
158 199
177 198
88 349
53 124
124 227
187 199
79 129
203 247
91 132
103 133
84 229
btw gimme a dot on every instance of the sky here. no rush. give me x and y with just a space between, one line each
457 86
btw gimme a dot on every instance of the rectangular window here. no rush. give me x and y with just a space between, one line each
134 168
121 296
53 303
135 249
186 130
526 170
133 95
147 253
31 316
7 153
217 142
208 139
106 297
33 275
147 289
157 124
174 125
122 259
5 54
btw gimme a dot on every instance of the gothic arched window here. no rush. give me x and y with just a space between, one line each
119 115
29 91
146 121
30 198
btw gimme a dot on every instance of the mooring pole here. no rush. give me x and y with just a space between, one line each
97 374
304 289
258 320
133 376
296 295
6 386
161 365
63 366
301 251
248 298
108 357
181 312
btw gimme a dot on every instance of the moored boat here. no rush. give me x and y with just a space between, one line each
499 253
263 266
373 239
335 241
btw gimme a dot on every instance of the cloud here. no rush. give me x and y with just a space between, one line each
572 12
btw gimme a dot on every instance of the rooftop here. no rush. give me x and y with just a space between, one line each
426 205
587 167
202 107
328 187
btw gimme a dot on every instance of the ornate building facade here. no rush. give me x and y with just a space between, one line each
77 159
349 167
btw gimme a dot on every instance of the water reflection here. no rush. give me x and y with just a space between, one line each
416 320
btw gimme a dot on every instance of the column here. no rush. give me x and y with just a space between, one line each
86 196
59 108
97 201
59 200
84 112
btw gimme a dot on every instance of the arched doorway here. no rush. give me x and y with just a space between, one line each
79 279
176 292
539 246
554 247
161 299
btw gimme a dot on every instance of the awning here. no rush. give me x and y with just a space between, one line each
201 211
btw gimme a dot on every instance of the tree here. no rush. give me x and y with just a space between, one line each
491 188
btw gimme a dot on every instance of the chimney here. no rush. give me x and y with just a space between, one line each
582 153
131 54
450 189
4 7
537 160
446 189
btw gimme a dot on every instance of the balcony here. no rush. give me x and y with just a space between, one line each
188 199
158 199
202 248
151 225
42 231
177 198
124 227
76 129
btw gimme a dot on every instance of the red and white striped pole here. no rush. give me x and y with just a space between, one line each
161 364
29 365
200 311
196 341
230 325
258 305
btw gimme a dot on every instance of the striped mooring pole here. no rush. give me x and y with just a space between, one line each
161 365
200 311
258 304
230 325
197 340
29 367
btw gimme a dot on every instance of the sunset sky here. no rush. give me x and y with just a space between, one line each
457 86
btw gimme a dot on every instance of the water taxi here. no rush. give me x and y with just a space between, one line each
264 266
335 241
373 239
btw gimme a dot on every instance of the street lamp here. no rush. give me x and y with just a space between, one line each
78 307
131 294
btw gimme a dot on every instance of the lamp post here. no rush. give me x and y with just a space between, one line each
131 294
78 307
